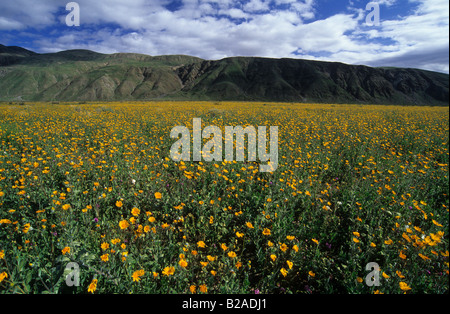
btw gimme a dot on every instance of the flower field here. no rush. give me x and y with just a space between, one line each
94 184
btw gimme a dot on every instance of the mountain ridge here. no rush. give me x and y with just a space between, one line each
84 75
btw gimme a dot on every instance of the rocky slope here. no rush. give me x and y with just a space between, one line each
82 75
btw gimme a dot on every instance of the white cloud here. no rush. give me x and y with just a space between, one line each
214 29
7 24
234 13
328 34
304 9
256 6
20 14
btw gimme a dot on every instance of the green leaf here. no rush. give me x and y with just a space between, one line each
63 259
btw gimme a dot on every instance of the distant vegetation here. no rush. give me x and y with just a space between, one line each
82 75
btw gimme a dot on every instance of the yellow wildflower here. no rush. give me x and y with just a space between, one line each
201 244
135 211
183 263
3 276
93 286
404 286
137 274
123 224
266 232
168 271
290 264
26 228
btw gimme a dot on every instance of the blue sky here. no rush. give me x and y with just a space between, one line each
410 33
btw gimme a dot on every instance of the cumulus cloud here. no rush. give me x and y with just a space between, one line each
22 14
214 29
419 39
8 23
256 6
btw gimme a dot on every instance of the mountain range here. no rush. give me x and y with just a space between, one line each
83 75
